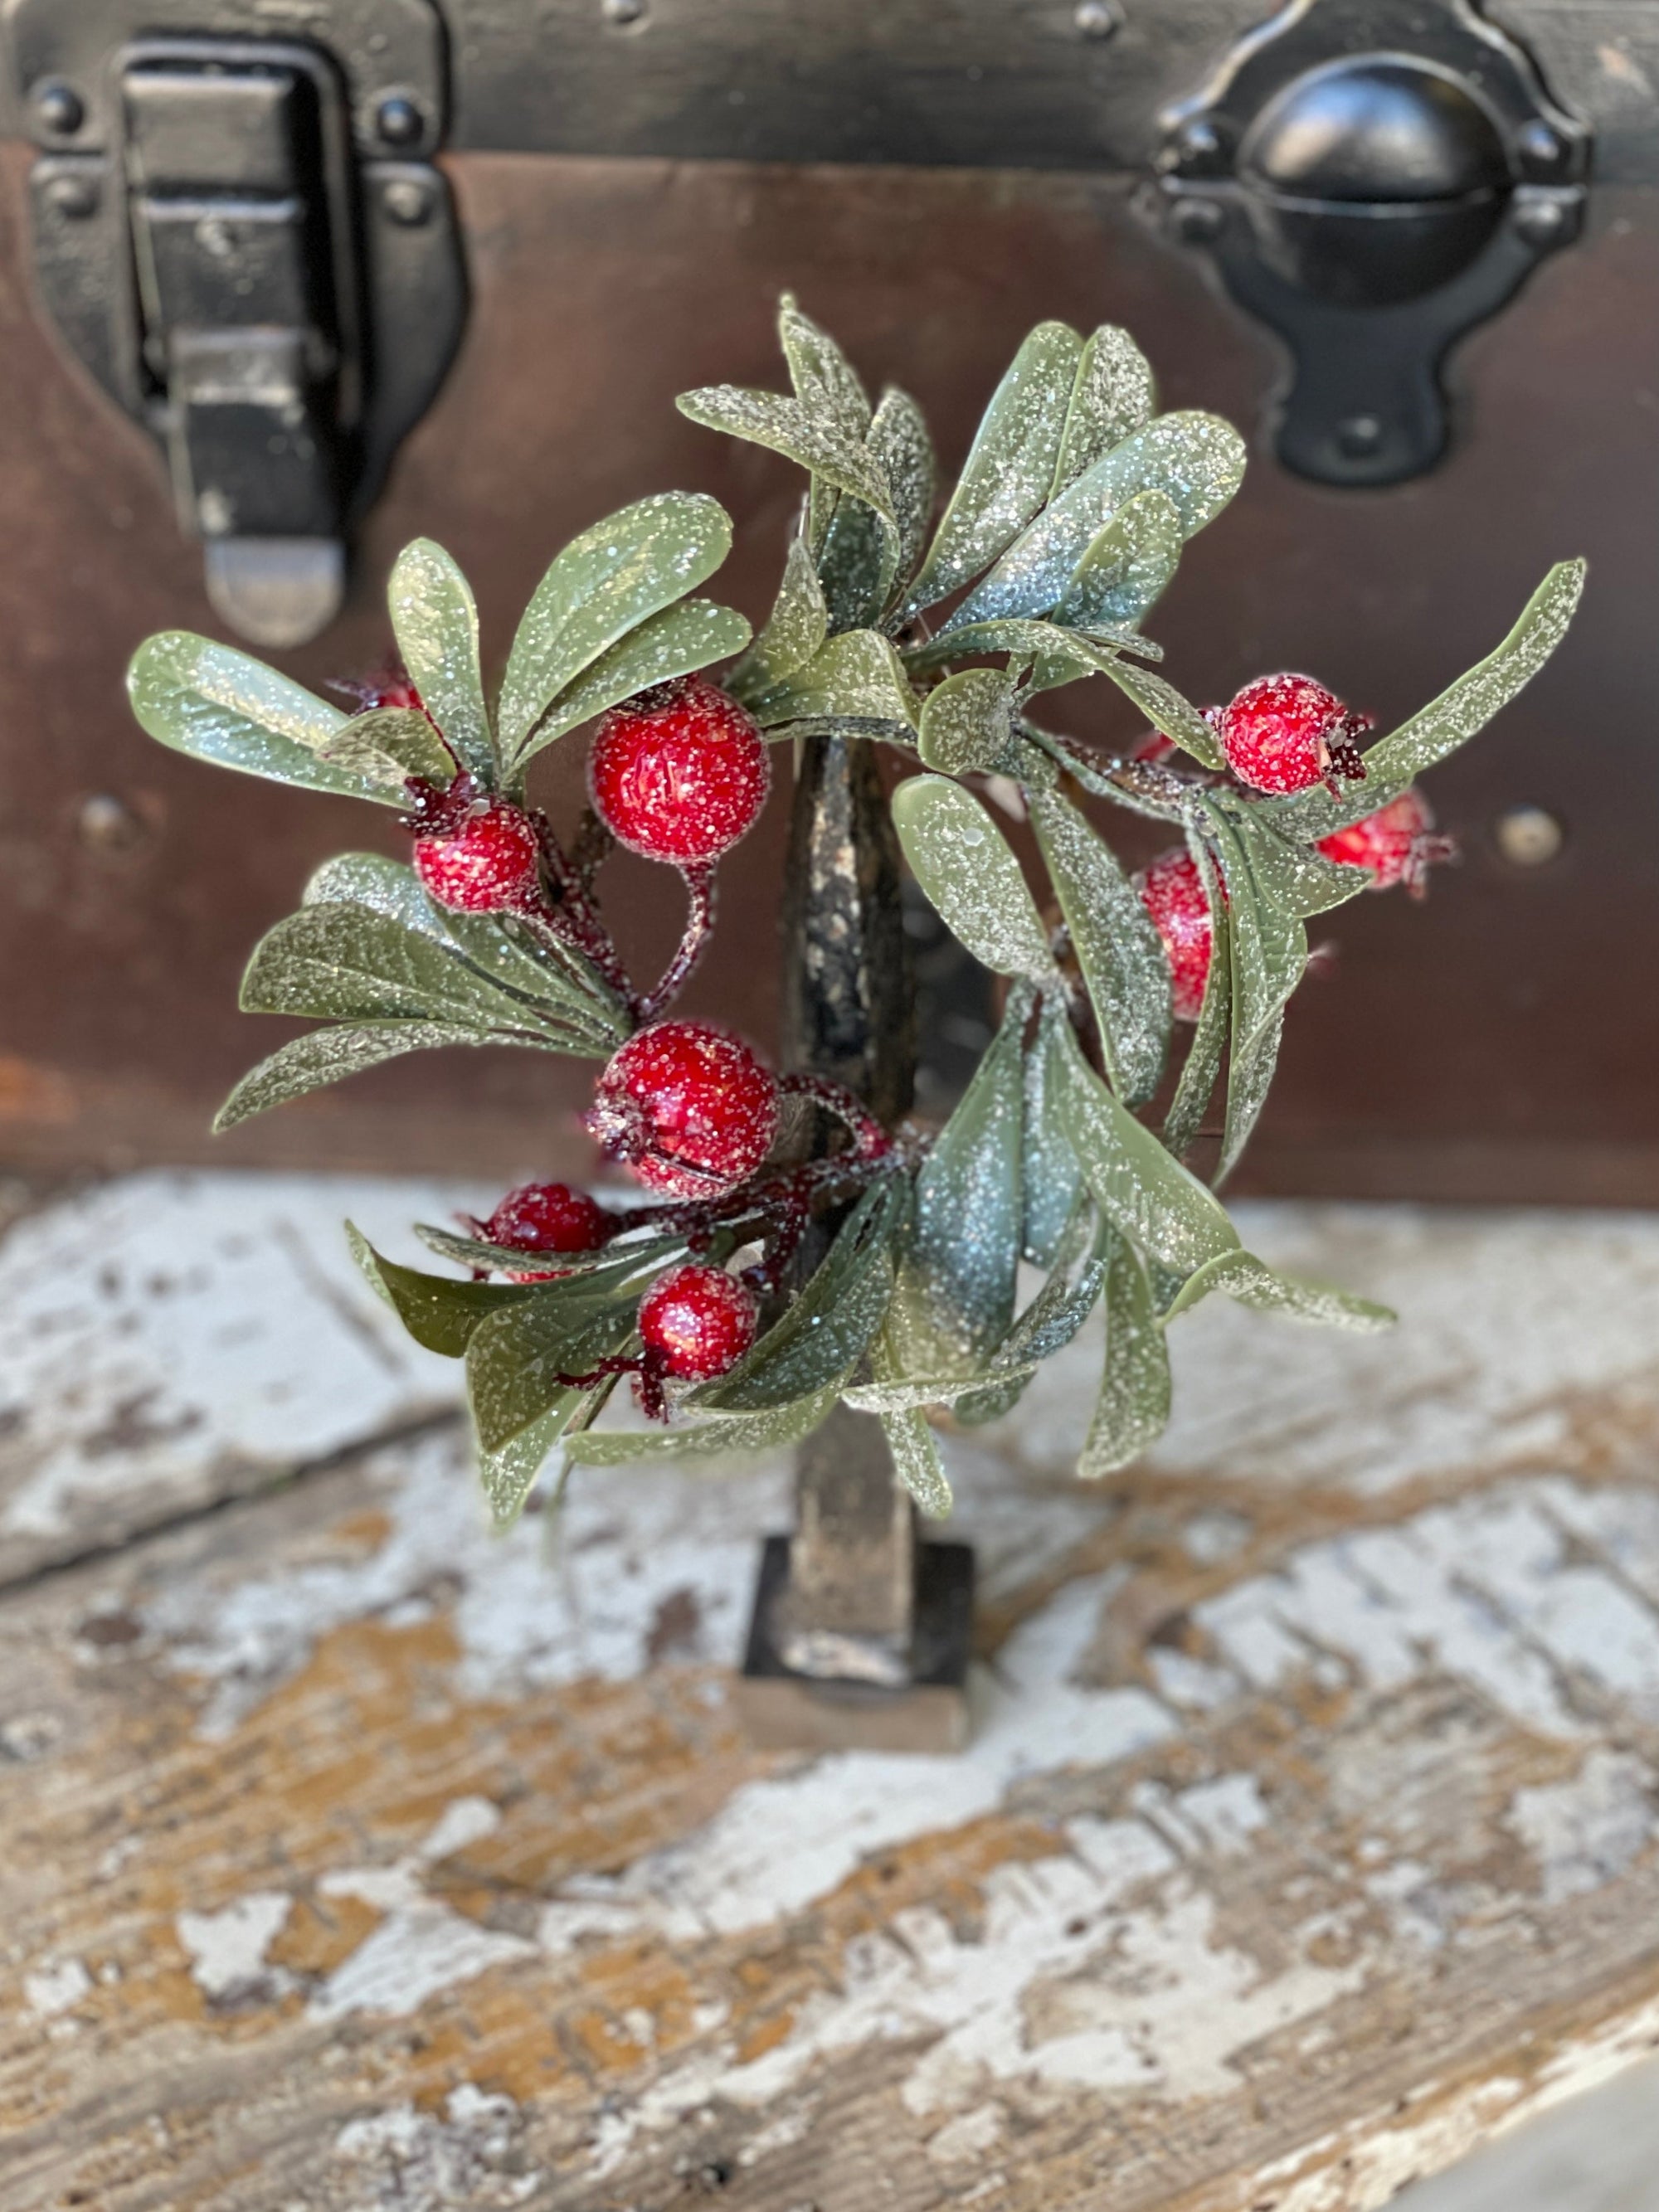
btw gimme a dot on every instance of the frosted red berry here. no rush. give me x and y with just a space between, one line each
484 860
547 1217
689 1106
1172 891
389 686
1286 733
698 1321
1396 843
679 772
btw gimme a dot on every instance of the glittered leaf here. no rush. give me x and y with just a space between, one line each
824 379
1127 566
813 440
1144 1193
507 1476
1267 952
795 629
1253 1283
963 863
1195 461
602 586
478 1251
1201 1069
826 1330
950 1388
1010 466
858 674
1051 1178
671 643
219 705
1133 1409
514 1360
915 1457
330 1055
1396 762
1031 640
392 743
1116 943
899 442
436 623
1166 710
968 725
1295 876
1112 397
439 1312
733 1432
961 1257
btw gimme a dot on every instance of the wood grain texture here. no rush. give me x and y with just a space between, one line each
352 1858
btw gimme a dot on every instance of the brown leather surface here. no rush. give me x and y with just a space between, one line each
1497 1043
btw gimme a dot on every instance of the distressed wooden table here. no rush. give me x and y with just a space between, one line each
349 1857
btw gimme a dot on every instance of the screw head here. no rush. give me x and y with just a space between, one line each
1197 221
58 108
1529 836
1540 222
409 201
1539 144
75 197
107 824
623 12
1097 19
1359 437
398 119
1196 145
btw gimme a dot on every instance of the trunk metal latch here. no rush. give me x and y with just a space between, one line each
245 241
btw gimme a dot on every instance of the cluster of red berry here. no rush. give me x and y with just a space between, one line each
1281 734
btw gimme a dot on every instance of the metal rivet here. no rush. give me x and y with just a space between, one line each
399 121
1097 19
76 197
623 12
1197 144
408 201
1538 142
1529 836
108 824
59 108
1540 222
1359 436
1197 220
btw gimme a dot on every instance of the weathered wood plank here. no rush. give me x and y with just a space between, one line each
349 1857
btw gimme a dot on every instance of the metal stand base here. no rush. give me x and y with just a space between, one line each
784 1709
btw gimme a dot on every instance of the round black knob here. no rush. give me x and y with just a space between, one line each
1377 128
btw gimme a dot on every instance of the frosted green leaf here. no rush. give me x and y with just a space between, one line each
1127 567
605 582
1201 1069
1196 460
899 442
507 1476
436 623
910 1394
1267 952
795 629
219 705
785 426
1116 943
439 1312
857 565
731 1432
858 674
478 1252
968 725
822 376
963 862
1112 398
1396 762
1051 1178
1295 876
961 1259
1133 1409
1144 1193
1166 710
390 745
326 1056
515 1359
672 642
1010 466
827 1329
1253 1283
550 975
916 1462
1031 640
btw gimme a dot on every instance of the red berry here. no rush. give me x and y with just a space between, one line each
1172 891
698 1321
548 1217
689 1106
487 862
679 772
389 686
1394 843
1287 733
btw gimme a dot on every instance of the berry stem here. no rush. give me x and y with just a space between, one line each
872 1141
595 845
699 928
575 914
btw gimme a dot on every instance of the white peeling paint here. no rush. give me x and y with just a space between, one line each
227 1949
1584 1832
427 2160
57 1988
